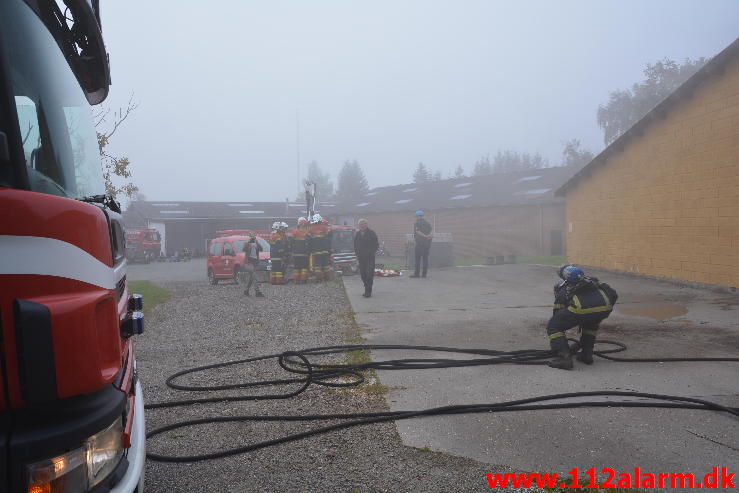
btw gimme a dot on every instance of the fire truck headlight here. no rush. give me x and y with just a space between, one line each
104 451
81 469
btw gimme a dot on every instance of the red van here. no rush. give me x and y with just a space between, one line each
226 257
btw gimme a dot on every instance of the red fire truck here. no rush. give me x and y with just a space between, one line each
71 408
143 245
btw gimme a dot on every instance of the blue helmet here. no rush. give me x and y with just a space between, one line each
419 213
571 273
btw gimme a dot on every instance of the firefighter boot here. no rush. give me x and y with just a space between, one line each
563 361
587 342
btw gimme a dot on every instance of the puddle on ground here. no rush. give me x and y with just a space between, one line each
657 311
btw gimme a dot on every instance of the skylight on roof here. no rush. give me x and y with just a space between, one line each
462 185
240 205
403 201
251 212
461 197
533 192
174 212
528 178
370 194
165 205
362 204
410 189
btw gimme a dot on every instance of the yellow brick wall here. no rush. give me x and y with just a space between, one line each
668 204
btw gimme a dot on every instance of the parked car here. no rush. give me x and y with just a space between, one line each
226 257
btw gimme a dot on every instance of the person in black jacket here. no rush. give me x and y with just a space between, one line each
365 246
578 300
422 235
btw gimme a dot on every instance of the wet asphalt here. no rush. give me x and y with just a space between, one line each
505 307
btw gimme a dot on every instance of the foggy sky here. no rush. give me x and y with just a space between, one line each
221 85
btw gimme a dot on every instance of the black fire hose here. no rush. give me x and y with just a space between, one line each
297 362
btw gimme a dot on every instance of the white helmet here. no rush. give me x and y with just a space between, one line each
302 220
283 225
275 225
316 218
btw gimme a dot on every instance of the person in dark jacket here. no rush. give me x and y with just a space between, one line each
365 247
582 301
422 235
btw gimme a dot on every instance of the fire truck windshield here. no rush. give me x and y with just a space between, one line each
54 118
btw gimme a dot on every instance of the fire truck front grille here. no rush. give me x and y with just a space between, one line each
120 288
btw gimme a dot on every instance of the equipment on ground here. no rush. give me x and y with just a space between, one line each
71 405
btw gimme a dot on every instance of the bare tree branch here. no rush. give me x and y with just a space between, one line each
121 115
28 134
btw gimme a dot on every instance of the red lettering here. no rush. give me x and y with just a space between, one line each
608 482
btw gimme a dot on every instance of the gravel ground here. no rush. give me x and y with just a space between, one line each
205 324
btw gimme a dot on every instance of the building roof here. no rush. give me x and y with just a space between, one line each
534 186
181 210
715 66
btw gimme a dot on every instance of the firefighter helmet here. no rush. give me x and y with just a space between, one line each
569 272
275 225
283 226
302 221
316 218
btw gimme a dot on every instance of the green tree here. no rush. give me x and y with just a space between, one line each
324 185
351 182
114 166
482 166
436 176
572 155
459 172
422 174
508 161
627 106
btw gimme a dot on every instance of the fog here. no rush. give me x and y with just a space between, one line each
222 86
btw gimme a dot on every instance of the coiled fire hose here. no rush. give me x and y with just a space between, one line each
307 374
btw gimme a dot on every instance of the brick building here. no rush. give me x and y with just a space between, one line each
501 214
663 199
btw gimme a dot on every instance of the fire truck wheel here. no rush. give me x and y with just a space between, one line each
212 277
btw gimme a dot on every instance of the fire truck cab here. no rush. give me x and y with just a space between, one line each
226 257
143 245
71 406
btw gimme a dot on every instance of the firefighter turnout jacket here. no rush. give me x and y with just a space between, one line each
587 295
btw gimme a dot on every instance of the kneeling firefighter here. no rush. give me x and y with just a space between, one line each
582 301
277 252
300 246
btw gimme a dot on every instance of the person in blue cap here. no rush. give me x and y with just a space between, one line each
582 301
422 234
